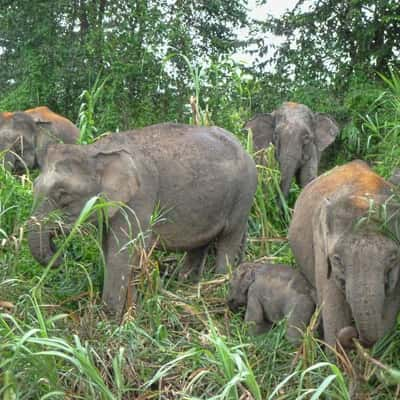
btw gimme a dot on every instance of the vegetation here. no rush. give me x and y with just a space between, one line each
109 66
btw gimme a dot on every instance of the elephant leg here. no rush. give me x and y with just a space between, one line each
117 276
194 264
122 255
230 246
255 317
299 318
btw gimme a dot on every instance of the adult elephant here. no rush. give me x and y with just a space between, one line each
299 136
27 135
200 180
343 249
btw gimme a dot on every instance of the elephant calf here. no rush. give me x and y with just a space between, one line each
200 181
299 136
270 293
27 135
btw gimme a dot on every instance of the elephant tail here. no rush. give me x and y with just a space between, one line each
242 248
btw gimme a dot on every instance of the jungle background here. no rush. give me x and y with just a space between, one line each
115 65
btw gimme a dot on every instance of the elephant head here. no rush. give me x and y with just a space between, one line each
25 136
299 136
362 261
70 177
239 286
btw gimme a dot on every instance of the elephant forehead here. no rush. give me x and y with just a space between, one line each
367 248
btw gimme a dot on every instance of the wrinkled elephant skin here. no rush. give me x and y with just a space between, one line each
27 135
199 179
349 259
299 136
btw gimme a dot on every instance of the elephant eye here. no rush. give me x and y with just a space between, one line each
336 259
63 198
393 259
306 139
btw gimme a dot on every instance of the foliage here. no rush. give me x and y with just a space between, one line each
335 40
87 125
52 51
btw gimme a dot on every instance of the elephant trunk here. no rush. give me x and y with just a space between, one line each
9 161
41 243
288 167
367 309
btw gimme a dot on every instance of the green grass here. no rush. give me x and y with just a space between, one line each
182 342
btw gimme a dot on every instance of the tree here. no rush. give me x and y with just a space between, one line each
332 41
52 51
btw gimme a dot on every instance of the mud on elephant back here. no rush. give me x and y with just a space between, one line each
199 178
347 248
299 136
25 136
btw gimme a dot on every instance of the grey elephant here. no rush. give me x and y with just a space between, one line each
395 177
270 293
200 179
299 136
346 252
27 134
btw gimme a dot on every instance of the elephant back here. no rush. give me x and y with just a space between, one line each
62 128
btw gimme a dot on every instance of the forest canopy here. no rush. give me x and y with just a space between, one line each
53 51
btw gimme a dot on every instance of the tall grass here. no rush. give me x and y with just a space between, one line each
182 342
86 119
377 138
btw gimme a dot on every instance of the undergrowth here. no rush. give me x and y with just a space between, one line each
182 342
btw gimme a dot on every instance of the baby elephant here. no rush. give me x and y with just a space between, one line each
272 292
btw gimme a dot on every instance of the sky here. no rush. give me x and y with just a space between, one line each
274 7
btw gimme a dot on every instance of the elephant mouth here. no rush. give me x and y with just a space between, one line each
43 243
348 334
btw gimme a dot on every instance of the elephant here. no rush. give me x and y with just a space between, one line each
270 293
28 133
395 177
200 179
299 136
347 253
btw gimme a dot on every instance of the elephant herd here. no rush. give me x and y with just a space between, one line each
201 182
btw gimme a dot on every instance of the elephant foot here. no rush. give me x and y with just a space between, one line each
194 264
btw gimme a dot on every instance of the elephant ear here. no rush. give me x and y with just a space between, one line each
326 130
329 223
247 277
320 244
263 127
116 173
